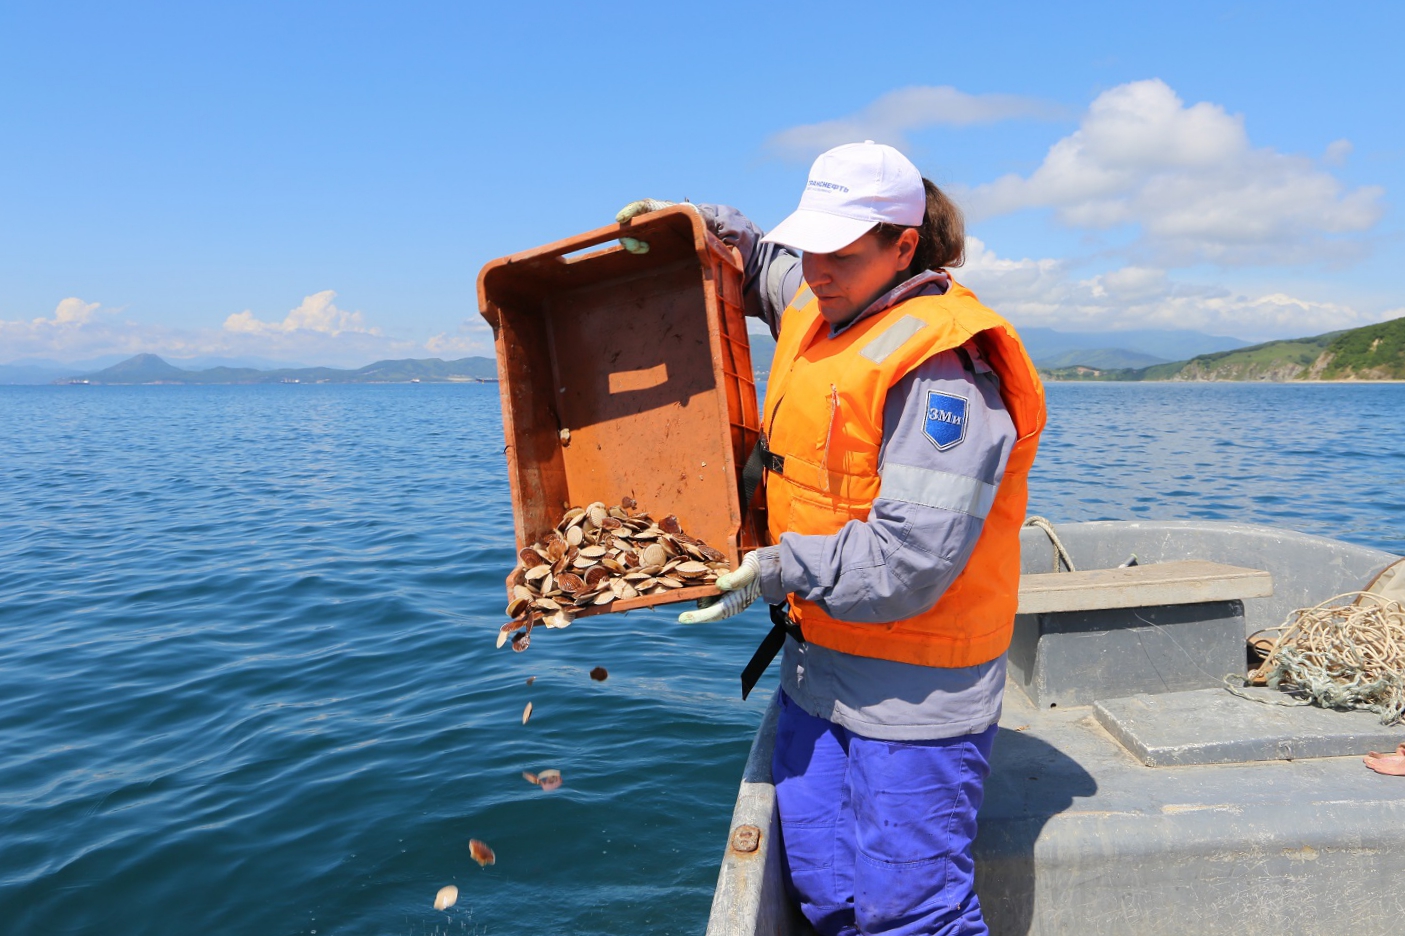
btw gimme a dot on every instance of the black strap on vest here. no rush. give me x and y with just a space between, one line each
754 471
781 624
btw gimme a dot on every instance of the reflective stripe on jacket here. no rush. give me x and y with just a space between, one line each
824 418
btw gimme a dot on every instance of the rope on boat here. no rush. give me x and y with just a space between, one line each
1060 553
1342 656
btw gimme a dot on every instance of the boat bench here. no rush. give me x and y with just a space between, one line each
1108 633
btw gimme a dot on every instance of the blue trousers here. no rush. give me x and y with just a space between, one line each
878 834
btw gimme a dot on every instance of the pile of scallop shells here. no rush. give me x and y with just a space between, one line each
598 555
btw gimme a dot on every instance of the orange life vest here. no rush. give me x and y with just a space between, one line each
824 417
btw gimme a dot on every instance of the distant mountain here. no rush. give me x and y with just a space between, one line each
144 368
1104 358
29 374
1371 352
151 369
763 349
44 370
1163 344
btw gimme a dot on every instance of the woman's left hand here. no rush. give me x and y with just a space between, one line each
740 588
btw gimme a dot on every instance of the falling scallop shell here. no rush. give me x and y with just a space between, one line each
481 853
448 896
549 780
526 713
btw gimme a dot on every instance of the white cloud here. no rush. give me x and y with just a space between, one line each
891 117
71 329
473 338
71 310
1337 152
317 313
1189 181
317 332
1043 293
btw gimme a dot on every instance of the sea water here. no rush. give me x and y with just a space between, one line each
248 681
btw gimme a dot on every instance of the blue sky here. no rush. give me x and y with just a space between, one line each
320 182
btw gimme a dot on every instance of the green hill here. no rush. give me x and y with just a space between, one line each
1273 360
1372 352
1375 352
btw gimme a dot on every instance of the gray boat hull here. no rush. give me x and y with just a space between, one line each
1078 835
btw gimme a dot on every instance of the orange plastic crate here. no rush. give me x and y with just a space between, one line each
625 374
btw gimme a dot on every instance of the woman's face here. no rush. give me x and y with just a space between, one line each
848 280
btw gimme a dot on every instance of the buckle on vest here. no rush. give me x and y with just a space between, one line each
770 459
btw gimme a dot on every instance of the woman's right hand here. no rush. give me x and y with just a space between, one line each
635 208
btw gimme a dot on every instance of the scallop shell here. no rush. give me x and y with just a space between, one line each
481 852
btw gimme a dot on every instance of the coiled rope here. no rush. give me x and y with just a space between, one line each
1060 554
1344 656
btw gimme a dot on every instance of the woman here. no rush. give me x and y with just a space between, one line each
900 423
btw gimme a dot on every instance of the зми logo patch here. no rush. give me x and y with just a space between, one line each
944 422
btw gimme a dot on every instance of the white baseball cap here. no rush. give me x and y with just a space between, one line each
851 190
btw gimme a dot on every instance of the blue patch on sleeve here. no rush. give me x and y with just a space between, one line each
944 421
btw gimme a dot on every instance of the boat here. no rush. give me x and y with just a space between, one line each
1131 791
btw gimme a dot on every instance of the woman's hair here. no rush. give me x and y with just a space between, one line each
941 237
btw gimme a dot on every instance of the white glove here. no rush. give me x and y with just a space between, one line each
635 208
741 586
